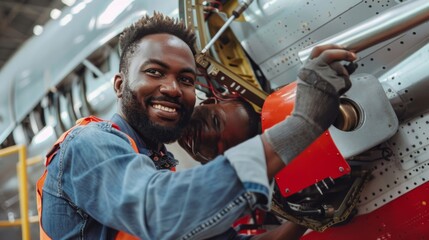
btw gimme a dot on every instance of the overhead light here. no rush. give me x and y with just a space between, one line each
113 10
68 2
44 134
76 9
91 24
55 13
37 30
174 13
66 19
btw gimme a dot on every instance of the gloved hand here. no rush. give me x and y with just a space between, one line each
321 81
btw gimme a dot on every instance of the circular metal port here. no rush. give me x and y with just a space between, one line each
349 116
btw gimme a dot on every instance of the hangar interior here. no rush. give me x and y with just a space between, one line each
58 57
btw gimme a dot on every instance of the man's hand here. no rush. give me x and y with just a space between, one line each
321 81
323 67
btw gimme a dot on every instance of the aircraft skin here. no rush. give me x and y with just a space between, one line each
66 73
404 218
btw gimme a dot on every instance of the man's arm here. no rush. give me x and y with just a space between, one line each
120 188
321 81
273 160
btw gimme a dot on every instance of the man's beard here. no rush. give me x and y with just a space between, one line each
147 129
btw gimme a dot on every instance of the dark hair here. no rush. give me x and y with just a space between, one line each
158 23
254 118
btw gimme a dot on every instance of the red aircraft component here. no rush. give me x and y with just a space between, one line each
321 160
405 218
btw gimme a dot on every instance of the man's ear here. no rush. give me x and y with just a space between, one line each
118 82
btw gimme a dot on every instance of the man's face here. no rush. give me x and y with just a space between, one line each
214 128
158 94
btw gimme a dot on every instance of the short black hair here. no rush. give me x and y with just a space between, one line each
158 23
254 118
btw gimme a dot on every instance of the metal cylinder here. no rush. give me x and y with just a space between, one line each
406 85
388 24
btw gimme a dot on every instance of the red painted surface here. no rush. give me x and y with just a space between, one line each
319 161
249 226
404 218
278 106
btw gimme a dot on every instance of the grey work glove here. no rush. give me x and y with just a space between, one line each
321 81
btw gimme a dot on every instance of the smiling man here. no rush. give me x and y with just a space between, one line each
112 179
156 90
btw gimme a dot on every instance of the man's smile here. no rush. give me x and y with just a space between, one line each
165 110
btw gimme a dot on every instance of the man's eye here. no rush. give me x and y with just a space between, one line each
153 72
216 122
187 80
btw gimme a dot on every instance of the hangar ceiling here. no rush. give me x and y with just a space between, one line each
18 18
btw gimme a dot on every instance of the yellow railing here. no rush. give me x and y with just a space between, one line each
21 166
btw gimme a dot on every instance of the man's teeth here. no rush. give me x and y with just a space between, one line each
164 108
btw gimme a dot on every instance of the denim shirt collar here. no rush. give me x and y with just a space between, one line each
141 145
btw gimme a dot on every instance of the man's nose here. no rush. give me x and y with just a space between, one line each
171 87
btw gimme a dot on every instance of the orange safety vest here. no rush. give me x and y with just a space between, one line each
51 154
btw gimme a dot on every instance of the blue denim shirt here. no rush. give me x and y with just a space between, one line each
97 184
